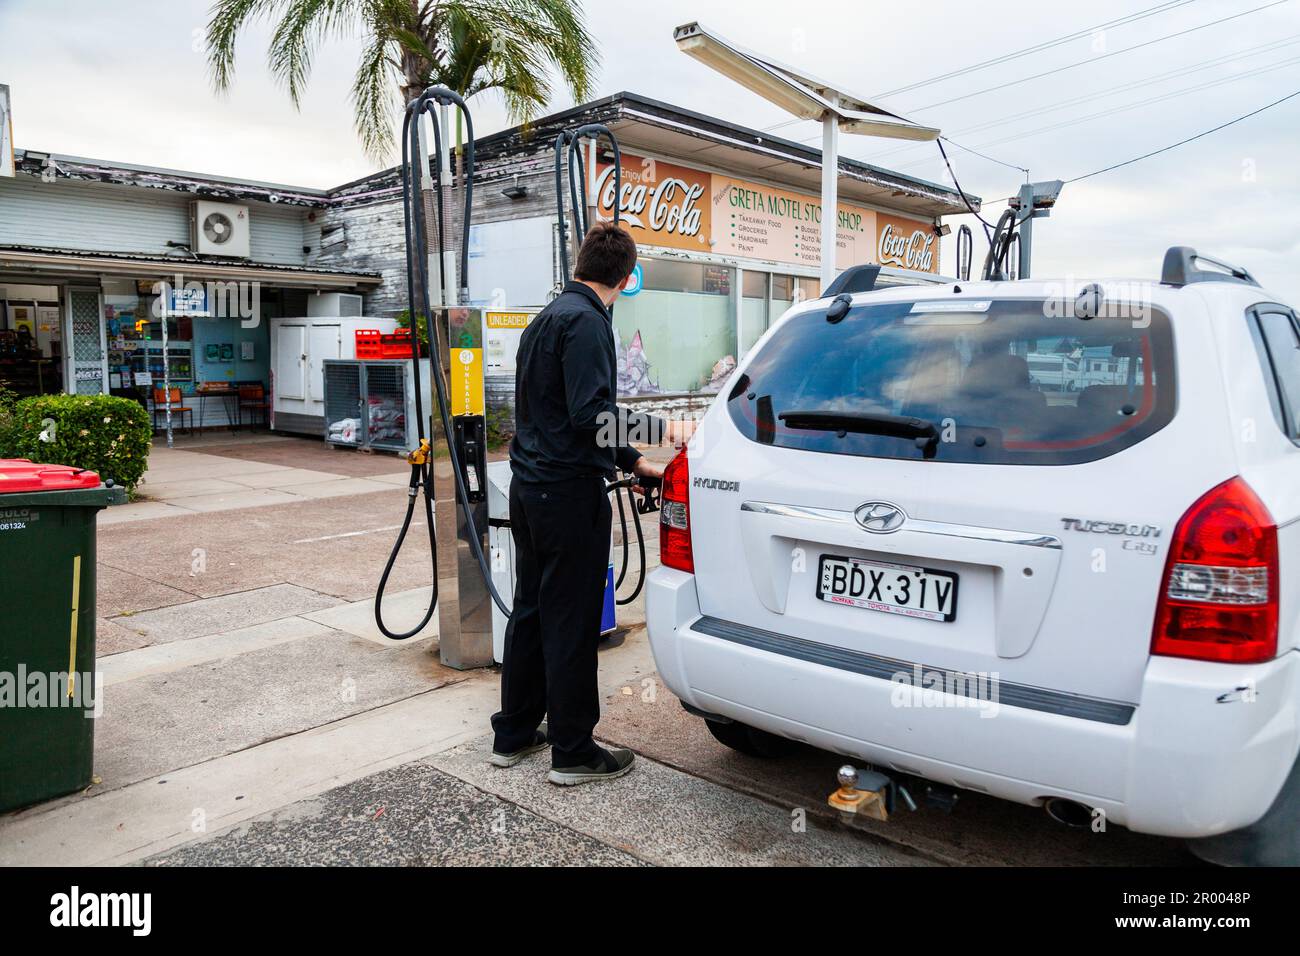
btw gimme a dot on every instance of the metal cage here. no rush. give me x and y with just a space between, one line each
371 403
344 411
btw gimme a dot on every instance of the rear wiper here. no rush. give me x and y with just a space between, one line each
924 433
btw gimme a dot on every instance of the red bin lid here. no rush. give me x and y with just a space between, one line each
19 474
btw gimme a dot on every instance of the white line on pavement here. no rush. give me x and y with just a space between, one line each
353 534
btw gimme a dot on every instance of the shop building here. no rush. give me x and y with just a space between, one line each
727 220
95 256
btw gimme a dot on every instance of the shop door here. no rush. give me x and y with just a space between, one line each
87 355
323 343
291 362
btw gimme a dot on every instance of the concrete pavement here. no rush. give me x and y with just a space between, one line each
254 714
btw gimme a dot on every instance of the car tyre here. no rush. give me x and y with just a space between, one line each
750 740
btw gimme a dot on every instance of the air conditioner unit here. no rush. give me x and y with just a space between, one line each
219 229
333 304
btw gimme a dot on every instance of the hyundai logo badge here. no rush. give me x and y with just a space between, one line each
879 517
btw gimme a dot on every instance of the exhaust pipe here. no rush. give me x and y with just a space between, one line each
1071 813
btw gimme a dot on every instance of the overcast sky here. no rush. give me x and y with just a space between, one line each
126 80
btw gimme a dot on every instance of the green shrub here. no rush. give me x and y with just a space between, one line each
8 398
404 322
101 433
500 426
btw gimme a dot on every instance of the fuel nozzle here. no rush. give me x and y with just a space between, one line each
651 486
420 455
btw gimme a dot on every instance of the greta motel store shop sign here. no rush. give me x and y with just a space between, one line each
671 206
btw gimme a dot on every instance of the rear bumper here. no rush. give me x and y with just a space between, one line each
1181 763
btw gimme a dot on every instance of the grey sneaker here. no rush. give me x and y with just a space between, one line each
509 760
606 765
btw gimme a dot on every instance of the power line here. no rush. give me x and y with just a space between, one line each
1109 112
1125 87
1039 47
1147 102
1116 111
961 192
1097 59
1089 97
976 152
1184 142
1171 146
1006 57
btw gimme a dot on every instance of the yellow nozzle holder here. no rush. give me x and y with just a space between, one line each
420 455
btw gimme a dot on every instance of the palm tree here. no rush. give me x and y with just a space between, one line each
469 46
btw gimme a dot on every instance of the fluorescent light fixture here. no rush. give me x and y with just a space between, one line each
795 91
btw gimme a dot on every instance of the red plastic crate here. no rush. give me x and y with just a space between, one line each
397 345
369 344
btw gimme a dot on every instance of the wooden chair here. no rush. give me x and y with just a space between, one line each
178 406
253 398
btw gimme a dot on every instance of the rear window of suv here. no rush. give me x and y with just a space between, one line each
994 381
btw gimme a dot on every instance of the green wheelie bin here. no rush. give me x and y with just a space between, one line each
48 695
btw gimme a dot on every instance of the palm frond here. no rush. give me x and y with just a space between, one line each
373 98
228 17
306 23
471 46
525 39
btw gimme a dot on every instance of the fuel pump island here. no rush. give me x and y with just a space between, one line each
472 364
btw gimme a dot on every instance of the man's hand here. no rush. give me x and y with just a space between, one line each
645 468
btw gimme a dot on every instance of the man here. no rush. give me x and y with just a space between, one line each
561 455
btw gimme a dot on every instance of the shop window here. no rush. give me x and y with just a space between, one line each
754 316
134 334
678 334
783 293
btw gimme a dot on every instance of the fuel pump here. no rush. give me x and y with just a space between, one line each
460 489
461 579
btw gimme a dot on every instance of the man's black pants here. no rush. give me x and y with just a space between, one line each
561 535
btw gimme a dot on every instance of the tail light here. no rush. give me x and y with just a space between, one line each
675 516
1219 598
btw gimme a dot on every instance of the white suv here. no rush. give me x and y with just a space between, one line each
892 539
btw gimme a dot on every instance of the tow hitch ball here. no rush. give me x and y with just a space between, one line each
875 795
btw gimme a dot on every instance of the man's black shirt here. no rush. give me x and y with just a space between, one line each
566 380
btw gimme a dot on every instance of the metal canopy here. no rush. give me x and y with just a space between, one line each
805 97
37 261
796 91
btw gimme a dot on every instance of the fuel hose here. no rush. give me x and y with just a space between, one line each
417 275
417 266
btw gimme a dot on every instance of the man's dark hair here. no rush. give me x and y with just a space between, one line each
607 255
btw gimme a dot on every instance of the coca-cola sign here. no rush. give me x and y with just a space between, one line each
661 203
907 244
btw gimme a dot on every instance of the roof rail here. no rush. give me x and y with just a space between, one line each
1180 268
853 279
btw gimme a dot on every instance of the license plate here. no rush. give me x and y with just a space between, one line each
892 588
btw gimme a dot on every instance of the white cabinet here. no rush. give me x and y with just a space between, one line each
299 348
